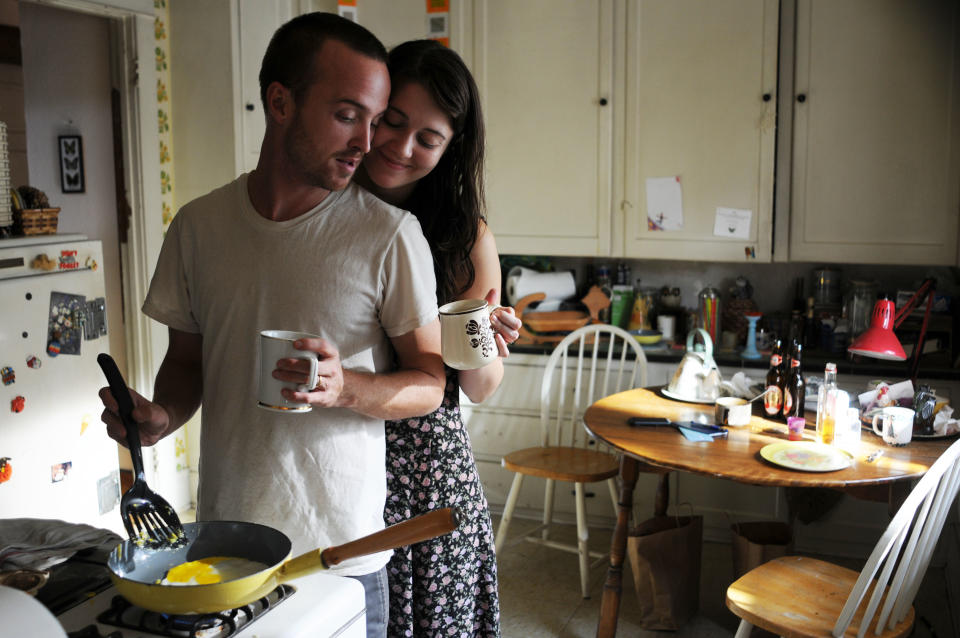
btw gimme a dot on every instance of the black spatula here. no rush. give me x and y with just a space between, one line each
147 517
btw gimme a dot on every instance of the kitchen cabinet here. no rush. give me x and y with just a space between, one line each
701 83
216 51
876 140
602 95
546 76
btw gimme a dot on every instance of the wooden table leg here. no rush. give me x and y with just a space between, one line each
610 604
662 498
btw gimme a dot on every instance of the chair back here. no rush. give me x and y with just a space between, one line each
590 363
902 555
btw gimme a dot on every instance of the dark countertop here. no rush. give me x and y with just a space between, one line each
932 366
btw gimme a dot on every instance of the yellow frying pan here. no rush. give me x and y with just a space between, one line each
136 571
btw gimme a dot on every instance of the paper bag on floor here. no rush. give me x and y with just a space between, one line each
664 554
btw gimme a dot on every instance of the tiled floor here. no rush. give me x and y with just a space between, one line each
540 593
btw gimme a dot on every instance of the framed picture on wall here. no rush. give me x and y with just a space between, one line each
71 164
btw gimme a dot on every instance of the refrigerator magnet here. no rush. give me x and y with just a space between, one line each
6 470
17 403
33 361
8 375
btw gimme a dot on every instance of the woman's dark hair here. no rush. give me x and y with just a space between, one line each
290 55
449 200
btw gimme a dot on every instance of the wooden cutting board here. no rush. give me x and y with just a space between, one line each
536 325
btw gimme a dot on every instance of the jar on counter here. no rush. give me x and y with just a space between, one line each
708 312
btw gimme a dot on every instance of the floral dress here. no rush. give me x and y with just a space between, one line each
446 586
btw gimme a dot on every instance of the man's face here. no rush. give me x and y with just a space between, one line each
333 124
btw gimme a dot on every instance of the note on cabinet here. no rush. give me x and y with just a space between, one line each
664 203
732 222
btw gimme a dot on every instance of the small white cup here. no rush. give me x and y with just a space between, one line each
276 345
897 428
466 337
666 325
732 411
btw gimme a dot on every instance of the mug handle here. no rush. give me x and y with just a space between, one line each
875 431
314 364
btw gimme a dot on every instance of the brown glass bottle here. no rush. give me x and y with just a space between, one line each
773 400
794 392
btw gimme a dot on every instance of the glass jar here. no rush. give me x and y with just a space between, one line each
859 301
708 312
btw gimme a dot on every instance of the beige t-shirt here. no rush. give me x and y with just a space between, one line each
355 271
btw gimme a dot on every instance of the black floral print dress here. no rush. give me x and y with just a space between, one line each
446 586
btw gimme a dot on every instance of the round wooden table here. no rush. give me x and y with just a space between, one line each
736 457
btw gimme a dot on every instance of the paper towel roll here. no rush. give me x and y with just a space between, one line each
557 286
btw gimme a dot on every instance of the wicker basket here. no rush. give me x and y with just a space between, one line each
38 221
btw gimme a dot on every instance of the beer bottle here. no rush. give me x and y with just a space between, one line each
773 400
794 392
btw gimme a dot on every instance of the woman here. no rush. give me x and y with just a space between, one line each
427 157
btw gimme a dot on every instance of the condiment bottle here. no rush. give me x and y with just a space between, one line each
826 412
773 399
794 391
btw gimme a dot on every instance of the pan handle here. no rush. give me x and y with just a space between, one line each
415 530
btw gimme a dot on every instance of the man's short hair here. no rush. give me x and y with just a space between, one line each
290 55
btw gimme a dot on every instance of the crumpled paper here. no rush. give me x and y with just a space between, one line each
886 395
741 386
943 422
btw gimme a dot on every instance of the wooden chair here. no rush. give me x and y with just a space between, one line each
571 382
798 596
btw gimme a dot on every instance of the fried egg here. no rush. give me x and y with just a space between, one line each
211 570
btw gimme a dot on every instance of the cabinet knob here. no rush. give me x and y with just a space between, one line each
249 106
767 97
603 101
802 98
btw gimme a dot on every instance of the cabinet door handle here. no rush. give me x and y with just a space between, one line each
249 106
767 97
802 98
603 101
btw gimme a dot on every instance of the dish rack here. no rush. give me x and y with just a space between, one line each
37 221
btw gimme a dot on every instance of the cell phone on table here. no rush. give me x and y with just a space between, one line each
651 421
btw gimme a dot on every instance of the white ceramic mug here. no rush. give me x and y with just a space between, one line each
897 425
276 345
466 337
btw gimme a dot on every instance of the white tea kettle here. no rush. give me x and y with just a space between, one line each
697 377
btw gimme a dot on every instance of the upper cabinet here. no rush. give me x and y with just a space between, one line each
876 166
699 125
586 101
545 73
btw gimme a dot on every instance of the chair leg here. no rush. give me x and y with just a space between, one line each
548 494
508 511
582 536
743 631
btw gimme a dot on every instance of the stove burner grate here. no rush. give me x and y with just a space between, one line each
124 614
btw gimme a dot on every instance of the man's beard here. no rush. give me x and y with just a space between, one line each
310 169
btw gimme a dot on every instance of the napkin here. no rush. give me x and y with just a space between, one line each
693 435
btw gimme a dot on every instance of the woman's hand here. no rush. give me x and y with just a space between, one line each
505 323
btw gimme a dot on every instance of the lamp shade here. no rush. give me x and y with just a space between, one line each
879 341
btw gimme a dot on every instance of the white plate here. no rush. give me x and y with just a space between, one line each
677 397
808 456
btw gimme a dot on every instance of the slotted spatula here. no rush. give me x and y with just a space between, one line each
147 517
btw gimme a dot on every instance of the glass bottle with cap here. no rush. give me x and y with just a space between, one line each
826 413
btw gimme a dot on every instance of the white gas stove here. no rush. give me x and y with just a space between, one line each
316 606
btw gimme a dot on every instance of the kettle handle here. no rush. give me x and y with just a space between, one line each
707 343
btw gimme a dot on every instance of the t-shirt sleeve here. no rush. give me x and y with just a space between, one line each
168 299
409 285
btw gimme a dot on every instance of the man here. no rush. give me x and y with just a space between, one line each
295 246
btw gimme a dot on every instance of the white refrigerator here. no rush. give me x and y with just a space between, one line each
56 460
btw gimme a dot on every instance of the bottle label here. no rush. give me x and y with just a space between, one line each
794 363
775 360
773 400
787 402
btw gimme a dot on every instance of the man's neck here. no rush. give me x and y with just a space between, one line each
278 198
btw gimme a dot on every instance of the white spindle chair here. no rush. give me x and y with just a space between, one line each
576 374
798 596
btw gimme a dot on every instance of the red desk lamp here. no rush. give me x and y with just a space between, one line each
879 340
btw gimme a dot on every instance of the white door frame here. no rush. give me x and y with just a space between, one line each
134 75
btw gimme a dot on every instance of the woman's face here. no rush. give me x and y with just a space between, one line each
410 139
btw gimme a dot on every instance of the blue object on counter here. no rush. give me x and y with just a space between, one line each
693 435
750 352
